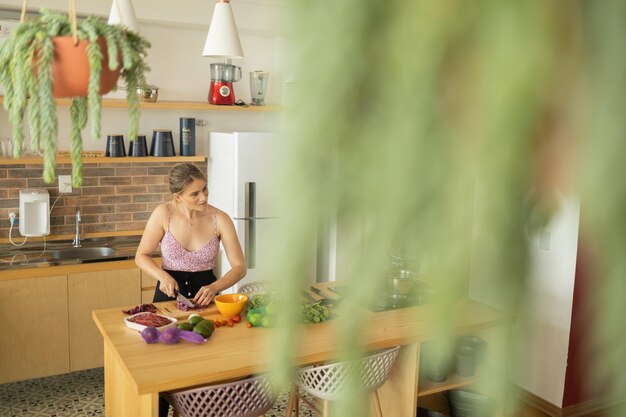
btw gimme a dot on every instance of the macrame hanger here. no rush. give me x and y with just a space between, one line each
23 11
72 14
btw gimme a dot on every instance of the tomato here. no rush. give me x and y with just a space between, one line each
230 323
236 319
249 325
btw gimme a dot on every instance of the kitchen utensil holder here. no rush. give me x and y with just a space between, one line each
138 147
162 143
115 146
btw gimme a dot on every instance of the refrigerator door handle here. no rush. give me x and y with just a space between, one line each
250 228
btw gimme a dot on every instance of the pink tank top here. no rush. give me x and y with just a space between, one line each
177 258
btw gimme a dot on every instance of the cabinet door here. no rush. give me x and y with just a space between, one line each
92 291
34 329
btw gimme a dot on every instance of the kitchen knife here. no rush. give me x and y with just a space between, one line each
184 300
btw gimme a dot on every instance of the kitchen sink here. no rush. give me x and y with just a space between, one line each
81 253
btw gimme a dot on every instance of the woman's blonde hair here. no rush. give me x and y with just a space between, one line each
181 175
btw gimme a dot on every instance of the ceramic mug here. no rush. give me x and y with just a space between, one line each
138 147
162 143
115 146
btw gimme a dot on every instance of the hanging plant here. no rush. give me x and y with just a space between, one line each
33 64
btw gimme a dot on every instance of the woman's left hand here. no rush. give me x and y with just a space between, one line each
204 296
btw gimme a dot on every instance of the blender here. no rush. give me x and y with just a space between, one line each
222 78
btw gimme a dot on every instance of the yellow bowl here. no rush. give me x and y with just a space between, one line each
230 304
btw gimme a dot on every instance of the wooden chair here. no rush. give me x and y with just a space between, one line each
327 382
250 397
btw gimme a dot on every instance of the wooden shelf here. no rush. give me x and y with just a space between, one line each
38 160
428 387
113 103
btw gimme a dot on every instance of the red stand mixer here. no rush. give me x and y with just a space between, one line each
222 78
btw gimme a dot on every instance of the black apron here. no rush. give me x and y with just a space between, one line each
189 283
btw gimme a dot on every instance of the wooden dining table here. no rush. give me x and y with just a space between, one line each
135 372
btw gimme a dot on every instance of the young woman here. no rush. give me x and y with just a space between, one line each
189 231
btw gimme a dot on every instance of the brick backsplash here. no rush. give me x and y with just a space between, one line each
114 196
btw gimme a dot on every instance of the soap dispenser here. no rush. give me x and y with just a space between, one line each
34 212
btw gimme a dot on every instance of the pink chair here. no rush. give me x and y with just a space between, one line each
250 397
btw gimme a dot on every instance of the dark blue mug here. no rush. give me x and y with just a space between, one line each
162 143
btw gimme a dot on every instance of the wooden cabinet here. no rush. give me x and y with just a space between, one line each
33 328
92 291
45 316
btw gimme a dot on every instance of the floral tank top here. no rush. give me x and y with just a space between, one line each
177 258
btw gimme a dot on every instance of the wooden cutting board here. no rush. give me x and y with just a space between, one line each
168 308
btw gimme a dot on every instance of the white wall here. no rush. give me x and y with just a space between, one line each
541 333
177 31
544 326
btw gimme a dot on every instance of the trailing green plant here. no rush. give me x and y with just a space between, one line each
26 72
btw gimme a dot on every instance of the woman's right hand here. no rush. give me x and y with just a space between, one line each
168 285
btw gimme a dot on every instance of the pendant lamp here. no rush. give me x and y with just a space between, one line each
223 37
122 13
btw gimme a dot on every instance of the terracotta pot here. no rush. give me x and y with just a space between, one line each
71 68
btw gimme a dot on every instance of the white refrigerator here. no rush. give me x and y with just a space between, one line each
242 182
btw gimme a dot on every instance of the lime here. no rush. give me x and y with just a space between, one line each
185 326
202 330
195 320
208 323
255 319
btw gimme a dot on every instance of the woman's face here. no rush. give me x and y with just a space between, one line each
195 196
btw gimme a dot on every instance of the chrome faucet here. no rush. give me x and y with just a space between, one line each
76 242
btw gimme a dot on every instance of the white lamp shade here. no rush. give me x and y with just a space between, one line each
122 13
223 38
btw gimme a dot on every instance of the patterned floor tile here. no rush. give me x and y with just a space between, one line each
79 394
5 406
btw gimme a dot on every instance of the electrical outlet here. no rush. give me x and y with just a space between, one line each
65 183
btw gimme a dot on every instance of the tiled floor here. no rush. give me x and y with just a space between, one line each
77 394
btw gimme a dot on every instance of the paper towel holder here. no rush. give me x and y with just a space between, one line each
34 212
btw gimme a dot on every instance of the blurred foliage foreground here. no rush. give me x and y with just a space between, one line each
448 131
